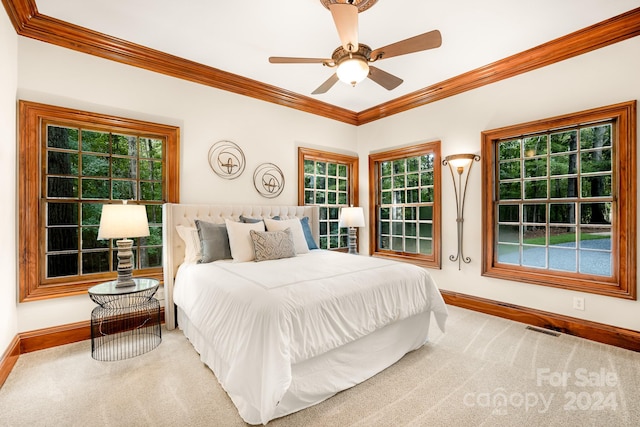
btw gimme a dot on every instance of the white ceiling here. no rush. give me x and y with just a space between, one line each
239 36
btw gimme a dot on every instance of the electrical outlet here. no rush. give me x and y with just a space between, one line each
578 303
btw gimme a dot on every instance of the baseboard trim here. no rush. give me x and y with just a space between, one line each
600 332
41 339
9 359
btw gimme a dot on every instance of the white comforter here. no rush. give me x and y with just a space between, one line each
262 317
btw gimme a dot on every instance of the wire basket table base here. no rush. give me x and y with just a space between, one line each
123 331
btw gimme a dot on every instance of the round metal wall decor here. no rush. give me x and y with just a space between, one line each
268 180
226 159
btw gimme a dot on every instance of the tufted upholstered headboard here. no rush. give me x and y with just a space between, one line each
186 214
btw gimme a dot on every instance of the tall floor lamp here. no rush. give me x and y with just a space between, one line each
352 218
123 221
461 163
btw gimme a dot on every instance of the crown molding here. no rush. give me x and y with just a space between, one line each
601 34
28 22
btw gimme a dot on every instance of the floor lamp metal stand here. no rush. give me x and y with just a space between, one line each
460 163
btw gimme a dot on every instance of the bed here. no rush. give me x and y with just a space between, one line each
284 334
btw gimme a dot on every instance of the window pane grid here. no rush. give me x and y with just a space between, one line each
405 201
554 200
84 170
406 205
326 184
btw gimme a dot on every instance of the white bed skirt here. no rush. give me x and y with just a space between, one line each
320 377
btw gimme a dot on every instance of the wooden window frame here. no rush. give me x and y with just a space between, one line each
32 285
330 157
435 259
623 282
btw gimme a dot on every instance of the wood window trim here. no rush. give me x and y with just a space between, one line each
435 259
31 116
327 156
623 283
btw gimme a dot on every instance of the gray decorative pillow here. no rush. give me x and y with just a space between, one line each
249 220
214 241
269 245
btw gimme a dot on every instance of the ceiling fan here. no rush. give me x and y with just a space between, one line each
352 60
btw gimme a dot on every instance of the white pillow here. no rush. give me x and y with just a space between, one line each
240 240
192 247
299 241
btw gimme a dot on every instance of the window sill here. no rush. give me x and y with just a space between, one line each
58 290
590 284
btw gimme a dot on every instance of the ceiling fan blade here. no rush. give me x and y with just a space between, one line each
288 60
384 79
425 41
328 84
345 16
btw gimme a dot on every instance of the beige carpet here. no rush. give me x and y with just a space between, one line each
484 371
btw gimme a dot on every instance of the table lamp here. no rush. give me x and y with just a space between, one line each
123 221
352 218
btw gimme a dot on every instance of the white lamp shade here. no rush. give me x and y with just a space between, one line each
123 221
352 71
351 217
460 160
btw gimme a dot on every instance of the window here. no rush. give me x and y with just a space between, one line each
405 204
559 199
330 181
71 163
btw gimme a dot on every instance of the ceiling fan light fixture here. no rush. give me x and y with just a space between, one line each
362 5
353 70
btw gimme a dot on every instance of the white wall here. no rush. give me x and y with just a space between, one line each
8 221
266 132
603 77
270 133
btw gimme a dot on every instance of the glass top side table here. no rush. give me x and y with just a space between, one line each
108 295
126 322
